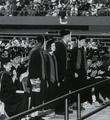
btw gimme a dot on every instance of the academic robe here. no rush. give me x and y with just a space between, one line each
61 56
14 103
51 76
36 68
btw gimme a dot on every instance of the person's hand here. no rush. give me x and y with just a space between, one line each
23 75
94 72
100 72
58 84
76 75
88 77
38 78
88 71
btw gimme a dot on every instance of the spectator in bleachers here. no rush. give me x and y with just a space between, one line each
47 7
106 88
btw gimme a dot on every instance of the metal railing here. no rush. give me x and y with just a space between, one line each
66 97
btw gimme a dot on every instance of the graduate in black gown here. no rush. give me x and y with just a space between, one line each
36 73
61 57
81 67
14 103
51 72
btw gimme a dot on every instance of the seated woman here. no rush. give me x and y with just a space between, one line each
14 103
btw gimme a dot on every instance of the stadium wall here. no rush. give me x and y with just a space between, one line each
45 23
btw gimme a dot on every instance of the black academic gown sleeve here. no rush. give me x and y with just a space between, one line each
61 55
35 64
8 89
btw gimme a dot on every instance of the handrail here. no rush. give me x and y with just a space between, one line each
20 115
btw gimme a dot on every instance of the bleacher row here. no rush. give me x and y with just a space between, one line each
54 8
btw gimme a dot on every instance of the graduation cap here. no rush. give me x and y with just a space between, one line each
64 32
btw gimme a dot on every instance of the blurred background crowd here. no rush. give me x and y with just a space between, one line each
55 8
22 46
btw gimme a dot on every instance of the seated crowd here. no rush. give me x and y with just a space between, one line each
54 7
16 57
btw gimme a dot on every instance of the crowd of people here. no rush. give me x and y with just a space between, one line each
44 71
54 8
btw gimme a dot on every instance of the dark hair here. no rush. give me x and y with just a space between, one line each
5 61
17 54
89 57
40 39
49 43
64 32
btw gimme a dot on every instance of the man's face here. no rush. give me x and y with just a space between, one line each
89 62
8 66
17 60
83 42
67 38
71 44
